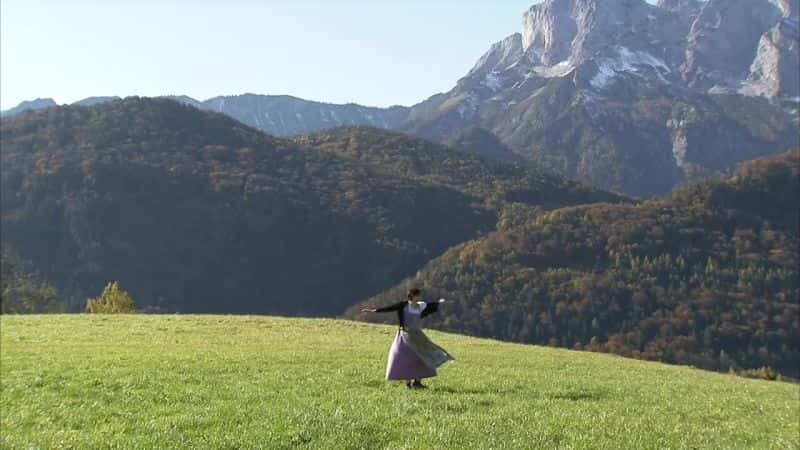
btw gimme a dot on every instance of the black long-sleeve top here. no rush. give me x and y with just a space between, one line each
430 308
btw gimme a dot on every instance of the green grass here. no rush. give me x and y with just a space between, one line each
256 382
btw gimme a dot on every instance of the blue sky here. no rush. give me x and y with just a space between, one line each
366 51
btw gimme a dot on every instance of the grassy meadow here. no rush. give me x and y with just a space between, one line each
83 381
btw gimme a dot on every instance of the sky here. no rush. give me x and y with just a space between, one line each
372 52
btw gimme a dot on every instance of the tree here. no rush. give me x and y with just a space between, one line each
21 289
113 300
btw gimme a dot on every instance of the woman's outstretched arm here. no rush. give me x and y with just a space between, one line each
431 308
396 307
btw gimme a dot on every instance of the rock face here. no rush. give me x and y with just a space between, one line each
774 72
717 45
687 10
632 96
571 31
725 41
285 115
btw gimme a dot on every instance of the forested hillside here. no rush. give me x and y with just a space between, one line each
21 288
427 162
707 276
192 211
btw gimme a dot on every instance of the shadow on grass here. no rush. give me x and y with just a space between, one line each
474 391
375 384
573 395
579 395
433 389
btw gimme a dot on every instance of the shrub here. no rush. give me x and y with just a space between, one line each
764 373
113 300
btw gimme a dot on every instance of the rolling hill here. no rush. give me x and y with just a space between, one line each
706 276
279 115
85 381
192 211
427 162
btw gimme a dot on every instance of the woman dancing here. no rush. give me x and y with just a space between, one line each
413 356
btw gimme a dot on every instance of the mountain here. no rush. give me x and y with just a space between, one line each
422 161
706 276
621 94
91 101
726 35
192 211
482 142
39 103
284 115
631 96
279 115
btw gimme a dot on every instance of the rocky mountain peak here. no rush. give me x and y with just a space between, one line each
716 46
625 94
549 28
501 55
598 39
744 46
575 30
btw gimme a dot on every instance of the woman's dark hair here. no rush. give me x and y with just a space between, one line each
413 293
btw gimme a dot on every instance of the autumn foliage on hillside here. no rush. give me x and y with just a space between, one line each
192 211
707 276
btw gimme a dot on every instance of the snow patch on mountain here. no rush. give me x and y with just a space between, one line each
492 81
469 107
557 70
626 61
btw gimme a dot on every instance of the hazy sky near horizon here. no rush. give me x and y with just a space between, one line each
373 52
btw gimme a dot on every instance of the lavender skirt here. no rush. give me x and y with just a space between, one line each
414 356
